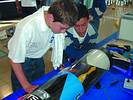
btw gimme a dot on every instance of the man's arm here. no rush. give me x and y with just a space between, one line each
17 68
18 7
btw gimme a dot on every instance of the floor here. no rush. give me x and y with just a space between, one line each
109 24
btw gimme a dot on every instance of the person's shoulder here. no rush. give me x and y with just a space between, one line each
45 8
26 24
26 20
91 30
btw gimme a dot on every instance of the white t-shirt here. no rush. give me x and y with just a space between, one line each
32 38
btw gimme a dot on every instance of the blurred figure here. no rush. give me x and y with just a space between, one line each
27 7
96 12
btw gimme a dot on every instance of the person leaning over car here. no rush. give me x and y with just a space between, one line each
33 36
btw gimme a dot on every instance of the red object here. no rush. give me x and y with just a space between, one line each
19 8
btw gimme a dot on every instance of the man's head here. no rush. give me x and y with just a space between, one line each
62 15
83 20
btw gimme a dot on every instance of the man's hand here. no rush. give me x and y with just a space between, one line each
17 68
30 88
61 67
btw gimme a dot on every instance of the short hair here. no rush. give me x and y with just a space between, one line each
64 11
83 11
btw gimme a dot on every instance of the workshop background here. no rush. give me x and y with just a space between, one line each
108 24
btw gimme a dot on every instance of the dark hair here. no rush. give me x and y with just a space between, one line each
83 11
64 11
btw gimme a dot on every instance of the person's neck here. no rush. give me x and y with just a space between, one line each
81 35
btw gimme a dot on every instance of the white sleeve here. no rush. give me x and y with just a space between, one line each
17 46
57 52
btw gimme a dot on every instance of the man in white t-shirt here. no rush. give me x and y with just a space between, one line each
33 36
